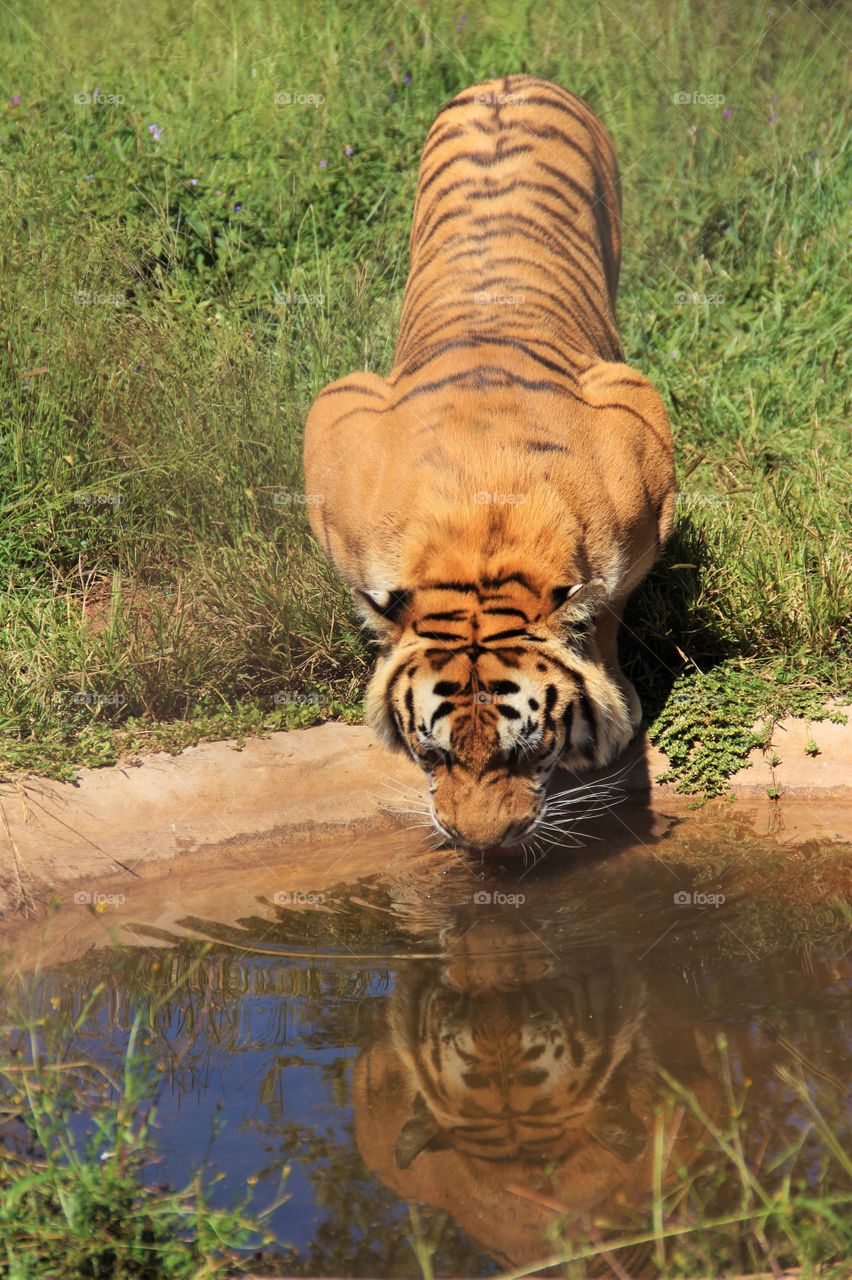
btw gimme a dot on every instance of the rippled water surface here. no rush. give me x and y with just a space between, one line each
481 1066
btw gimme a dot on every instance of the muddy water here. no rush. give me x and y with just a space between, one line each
488 1063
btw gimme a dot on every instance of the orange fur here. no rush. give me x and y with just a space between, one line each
515 1090
510 474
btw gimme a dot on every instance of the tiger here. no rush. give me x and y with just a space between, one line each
493 501
515 1088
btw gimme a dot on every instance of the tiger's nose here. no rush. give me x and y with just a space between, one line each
479 842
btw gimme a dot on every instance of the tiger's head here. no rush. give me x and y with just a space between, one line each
489 685
512 1059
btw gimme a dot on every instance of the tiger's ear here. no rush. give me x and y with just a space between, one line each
575 602
383 609
619 1131
421 1132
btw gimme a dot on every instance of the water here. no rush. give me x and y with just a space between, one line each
469 1058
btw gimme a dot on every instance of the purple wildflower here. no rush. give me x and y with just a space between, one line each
193 182
406 79
347 151
237 208
727 113
323 164
15 101
154 130
460 22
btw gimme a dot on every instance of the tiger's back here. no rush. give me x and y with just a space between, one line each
496 497
515 231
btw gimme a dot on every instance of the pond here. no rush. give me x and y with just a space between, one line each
466 1069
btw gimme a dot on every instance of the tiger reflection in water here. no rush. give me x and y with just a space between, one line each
506 1081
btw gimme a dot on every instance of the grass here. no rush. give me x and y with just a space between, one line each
190 252
77 1203
760 1181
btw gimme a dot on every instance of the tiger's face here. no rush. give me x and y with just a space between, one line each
488 697
519 1070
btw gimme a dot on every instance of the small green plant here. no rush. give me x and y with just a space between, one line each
726 1218
811 748
78 1207
711 722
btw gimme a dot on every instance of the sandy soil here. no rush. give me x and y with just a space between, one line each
215 808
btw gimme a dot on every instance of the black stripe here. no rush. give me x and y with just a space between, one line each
450 586
473 342
545 446
587 708
567 720
437 635
520 578
509 634
440 711
483 160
